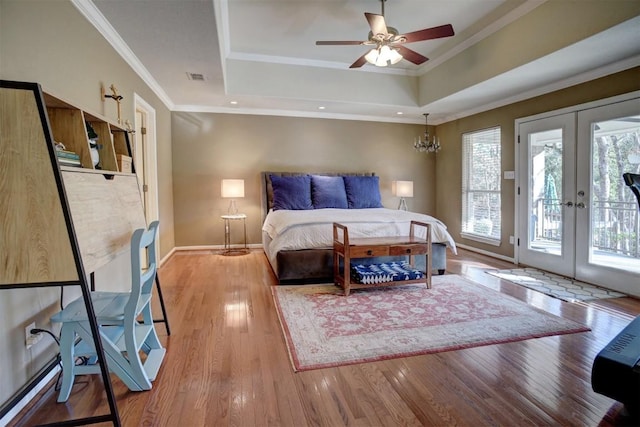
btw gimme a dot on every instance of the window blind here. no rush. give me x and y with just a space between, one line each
481 185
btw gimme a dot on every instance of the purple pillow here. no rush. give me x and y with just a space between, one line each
291 192
328 192
363 192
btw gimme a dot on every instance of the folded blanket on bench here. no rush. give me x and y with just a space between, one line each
384 272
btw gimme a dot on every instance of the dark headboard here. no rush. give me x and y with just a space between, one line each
267 188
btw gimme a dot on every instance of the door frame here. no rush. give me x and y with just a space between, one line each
150 158
572 109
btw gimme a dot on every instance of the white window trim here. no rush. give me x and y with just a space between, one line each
481 239
470 235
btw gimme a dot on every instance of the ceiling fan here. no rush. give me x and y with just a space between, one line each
388 43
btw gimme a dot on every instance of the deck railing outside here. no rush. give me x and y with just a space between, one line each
615 225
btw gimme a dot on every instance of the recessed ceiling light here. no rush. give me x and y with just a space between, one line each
233 102
321 108
399 113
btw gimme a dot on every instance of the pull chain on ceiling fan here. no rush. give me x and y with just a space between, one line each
388 43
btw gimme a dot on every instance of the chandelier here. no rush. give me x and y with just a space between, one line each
430 145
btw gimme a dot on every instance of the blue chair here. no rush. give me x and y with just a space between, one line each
125 323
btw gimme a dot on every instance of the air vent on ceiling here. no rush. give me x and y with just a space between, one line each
195 76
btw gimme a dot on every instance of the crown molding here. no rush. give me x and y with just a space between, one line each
316 63
293 113
97 19
552 87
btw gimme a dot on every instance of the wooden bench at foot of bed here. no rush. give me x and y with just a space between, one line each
384 274
316 265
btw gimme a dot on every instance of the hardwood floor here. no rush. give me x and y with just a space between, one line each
227 364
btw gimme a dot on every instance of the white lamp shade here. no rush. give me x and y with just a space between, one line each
233 188
403 188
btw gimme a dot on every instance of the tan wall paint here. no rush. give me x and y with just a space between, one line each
51 43
449 164
556 25
209 147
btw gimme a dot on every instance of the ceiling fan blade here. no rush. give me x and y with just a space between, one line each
338 42
428 34
411 55
359 62
377 24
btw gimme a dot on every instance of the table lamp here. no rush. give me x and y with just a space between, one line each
402 189
232 189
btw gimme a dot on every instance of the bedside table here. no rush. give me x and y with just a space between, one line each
228 250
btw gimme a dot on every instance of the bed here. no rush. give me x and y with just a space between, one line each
299 210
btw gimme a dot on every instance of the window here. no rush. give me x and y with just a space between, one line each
481 173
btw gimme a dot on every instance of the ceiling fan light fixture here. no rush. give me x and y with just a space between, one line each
381 61
372 56
394 56
383 56
389 42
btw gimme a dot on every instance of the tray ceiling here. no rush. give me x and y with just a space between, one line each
261 54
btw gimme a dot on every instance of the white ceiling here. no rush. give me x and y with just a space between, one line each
262 55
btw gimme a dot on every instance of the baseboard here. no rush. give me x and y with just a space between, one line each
487 253
32 393
176 249
167 256
216 247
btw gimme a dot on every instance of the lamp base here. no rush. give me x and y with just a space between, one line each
403 204
233 209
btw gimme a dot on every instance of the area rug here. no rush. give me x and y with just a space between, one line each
553 285
323 328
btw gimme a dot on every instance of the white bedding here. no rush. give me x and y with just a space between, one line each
306 229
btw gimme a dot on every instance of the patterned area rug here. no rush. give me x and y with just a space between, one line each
553 285
322 328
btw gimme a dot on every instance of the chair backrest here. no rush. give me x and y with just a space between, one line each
142 276
633 181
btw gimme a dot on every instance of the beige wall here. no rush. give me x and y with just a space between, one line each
208 147
449 163
551 26
51 43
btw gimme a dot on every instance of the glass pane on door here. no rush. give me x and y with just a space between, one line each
545 192
614 219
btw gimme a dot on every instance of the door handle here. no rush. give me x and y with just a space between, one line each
568 204
580 205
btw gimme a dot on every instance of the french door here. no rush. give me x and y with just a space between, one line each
576 217
547 192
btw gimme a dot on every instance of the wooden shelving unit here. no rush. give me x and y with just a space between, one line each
41 246
68 126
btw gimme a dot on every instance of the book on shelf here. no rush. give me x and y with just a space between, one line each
67 154
68 162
